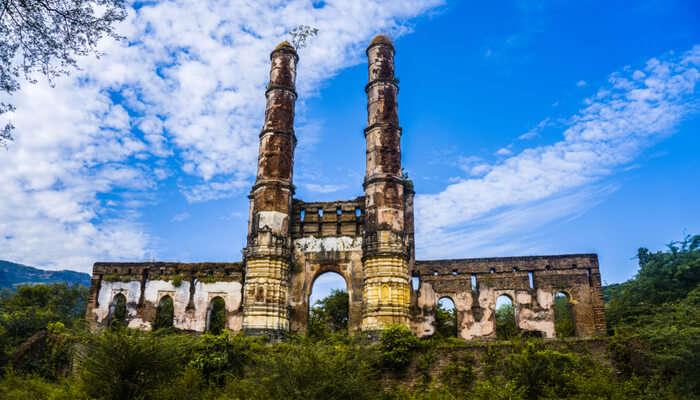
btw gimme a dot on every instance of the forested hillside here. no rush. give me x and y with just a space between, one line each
652 352
13 274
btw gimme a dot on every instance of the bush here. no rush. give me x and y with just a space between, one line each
397 345
129 364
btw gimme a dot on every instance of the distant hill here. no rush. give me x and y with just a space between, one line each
13 274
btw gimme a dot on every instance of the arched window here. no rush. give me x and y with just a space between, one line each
164 314
117 312
563 316
216 316
329 305
506 328
446 318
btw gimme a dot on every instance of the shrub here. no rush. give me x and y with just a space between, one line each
397 345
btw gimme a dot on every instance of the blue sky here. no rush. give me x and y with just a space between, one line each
530 127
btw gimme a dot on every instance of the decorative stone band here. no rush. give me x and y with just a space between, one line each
385 125
391 81
278 87
386 292
266 294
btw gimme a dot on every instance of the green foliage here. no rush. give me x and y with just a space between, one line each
216 318
329 315
164 314
129 364
663 277
563 317
32 308
16 387
397 345
656 318
505 322
445 322
310 371
459 375
177 280
118 315
223 356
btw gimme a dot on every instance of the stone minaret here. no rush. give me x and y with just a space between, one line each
268 253
386 282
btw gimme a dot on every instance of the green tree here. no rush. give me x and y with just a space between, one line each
563 316
505 322
329 315
130 364
445 321
164 314
662 277
32 308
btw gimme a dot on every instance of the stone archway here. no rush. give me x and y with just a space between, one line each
336 315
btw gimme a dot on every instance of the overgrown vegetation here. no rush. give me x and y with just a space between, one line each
653 352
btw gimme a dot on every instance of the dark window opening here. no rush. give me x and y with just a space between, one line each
117 312
506 327
165 313
563 315
216 316
320 212
358 212
454 272
445 318
492 270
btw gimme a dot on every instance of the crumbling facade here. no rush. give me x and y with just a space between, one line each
369 241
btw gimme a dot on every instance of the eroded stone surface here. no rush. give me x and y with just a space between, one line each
369 241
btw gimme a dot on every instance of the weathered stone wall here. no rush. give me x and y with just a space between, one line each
576 275
268 251
144 285
369 241
386 244
327 237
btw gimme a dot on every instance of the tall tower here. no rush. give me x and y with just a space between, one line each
268 251
386 282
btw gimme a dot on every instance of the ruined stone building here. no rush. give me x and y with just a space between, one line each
368 240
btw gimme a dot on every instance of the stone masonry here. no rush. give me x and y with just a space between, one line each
369 241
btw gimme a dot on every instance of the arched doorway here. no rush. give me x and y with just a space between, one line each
165 312
216 316
506 326
329 305
117 312
446 318
563 315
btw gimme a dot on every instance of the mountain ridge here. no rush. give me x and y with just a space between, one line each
14 274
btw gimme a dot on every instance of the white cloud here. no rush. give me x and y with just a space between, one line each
183 216
534 132
188 84
629 115
316 188
505 151
581 83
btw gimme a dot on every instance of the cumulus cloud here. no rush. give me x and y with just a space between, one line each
630 114
188 85
316 188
